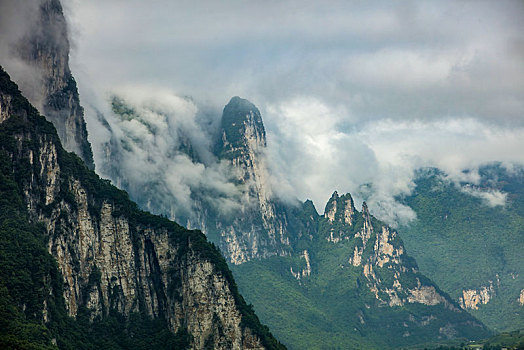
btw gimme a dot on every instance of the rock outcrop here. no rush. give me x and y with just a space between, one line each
340 211
391 275
241 215
45 77
472 298
306 270
114 257
259 229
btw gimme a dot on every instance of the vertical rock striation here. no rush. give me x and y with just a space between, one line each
260 228
44 53
114 257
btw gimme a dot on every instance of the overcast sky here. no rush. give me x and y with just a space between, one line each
351 92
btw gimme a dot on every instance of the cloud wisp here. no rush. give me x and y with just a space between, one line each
156 147
352 93
377 161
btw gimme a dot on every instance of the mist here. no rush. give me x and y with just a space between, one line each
355 96
156 143
18 20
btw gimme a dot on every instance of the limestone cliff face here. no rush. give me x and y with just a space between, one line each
113 256
233 174
473 298
44 51
260 228
306 270
391 275
341 211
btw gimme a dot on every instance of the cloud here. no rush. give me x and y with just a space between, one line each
19 20
491 197
156 146
314 151
400 60
355 95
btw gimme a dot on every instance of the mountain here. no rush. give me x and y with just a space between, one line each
80 258
476 247
83 267
230 200
342 276
351 286
39 62
259 228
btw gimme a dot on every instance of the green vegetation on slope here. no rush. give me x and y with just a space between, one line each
460 242
333 308
29 277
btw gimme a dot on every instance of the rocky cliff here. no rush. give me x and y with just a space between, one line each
351 271
112 256
344 261
39 60
391 275
226 192
260 226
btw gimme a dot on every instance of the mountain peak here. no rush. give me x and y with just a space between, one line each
309 208
365 210
240 102
340 208
241 129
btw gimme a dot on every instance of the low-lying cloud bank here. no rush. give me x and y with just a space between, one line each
165 142
155 141
355 96
323 152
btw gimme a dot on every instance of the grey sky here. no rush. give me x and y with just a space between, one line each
350 91
388 59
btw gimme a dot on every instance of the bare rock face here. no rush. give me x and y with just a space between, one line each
112 256
339 211
473 298
260 228
306 270
5 107
246 221
391 275
40 63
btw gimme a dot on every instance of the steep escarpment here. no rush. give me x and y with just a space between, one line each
114 258
39 60
343 270
222 189
260 228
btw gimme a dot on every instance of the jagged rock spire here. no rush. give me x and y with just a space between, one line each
365 210
340 208
44 49
241 130
261 230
